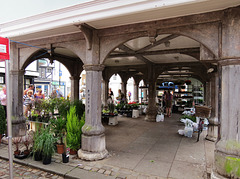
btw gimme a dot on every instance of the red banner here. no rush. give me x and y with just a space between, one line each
4 49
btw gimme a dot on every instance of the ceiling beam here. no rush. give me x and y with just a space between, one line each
161 41
186 51
130 51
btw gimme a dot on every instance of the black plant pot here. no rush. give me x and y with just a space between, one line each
65 158
47 160
38 156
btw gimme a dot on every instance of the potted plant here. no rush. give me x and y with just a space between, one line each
44 143
37 146
27 140
65 154
48 147
58 126
3 122
17 141
74 126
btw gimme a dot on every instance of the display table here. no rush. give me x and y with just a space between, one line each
34 125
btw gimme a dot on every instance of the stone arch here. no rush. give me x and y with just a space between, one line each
206 34
74 66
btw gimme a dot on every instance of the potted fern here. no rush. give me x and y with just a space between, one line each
74 126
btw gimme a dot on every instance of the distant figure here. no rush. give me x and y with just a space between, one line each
39 95
168 100
110 93
28 102
54 94
59 93
30 87
3 99
164 100
121 96
129 95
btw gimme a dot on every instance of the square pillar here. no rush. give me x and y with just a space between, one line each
227 153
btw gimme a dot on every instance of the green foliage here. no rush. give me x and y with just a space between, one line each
44 142
73 129
111 107
3 122
58 127
193 118
80 107
63 106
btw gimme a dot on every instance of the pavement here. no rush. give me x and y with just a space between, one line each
137 150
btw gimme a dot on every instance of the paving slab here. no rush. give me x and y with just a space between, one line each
153 167
125 160
191 151
185 170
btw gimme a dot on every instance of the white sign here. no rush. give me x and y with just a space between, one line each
3 48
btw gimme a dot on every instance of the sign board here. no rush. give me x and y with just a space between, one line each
4 49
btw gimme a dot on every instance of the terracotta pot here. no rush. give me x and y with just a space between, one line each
60 148
73 152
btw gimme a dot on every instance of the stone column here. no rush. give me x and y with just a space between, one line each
207 94
135 98
227 153
74 87
151 109
212 134
17 92
93 137
144 94
105 89
124 88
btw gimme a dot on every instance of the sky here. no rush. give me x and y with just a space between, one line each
17 9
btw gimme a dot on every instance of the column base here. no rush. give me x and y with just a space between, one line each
214 175
212 133
151 114
91 156
93 147
226 164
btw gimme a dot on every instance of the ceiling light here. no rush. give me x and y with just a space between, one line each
167 43
210 70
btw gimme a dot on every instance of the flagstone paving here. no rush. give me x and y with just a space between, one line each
137 150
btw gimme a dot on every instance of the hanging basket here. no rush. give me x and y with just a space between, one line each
203 111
